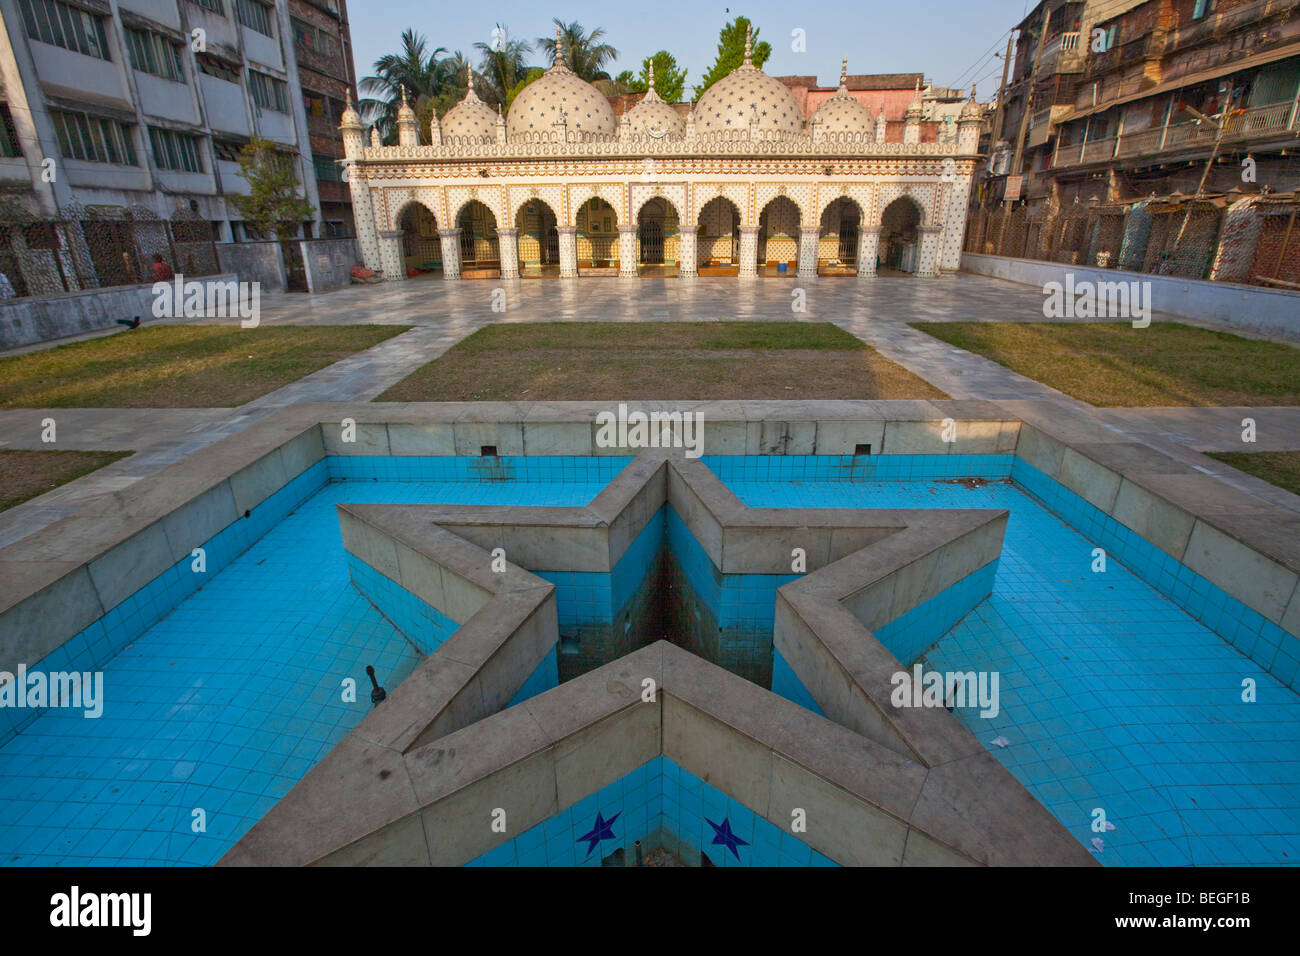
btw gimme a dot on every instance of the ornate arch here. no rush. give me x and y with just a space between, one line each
922 195
612 193
398 204
458 197
673 193
737 193
863 195
798 193
550 193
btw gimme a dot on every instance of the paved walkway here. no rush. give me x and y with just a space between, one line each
878 312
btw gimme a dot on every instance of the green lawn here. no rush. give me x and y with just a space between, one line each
26 474
1281 468
178 366
1114 364
612 361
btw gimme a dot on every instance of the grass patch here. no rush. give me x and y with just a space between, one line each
1113 364
1281 468
27 474
604 361
179 366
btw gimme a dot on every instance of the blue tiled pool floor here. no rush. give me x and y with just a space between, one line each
1112 696
224 704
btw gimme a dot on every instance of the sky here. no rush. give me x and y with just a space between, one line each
950 41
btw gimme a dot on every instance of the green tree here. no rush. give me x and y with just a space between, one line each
731 53
669 80
426 75
586 53
502 66
274 204
515 90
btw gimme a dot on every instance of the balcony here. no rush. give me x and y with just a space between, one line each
1276 121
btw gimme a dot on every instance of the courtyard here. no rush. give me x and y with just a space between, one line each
428 419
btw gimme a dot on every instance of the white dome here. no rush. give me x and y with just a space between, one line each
559 92
653 116
471 117
842 113
748 97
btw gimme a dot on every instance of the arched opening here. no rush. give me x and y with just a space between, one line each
837 239
718 238
538 240
480 254
421 247
597 238
900 237
778 238
657 242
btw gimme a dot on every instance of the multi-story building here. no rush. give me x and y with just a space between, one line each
322 46
140 107
1156 135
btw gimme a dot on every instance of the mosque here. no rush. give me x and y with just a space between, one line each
744 184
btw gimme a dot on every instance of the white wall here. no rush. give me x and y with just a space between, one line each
167 99
226 106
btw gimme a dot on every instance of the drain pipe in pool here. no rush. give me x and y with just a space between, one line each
638 852
377 693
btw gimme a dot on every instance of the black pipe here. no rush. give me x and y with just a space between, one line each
638 852
377 693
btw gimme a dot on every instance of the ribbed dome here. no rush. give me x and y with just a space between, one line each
653 116
748 97
471 117
842 113
560 92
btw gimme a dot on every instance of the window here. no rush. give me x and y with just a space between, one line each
268 92
1112 34
213 5
227 150
93 138
219 68
310 38
327 170
173 150
254 15
1201 8
62 25
154 53
8 135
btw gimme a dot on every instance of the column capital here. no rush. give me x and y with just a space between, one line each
868 230
748 230
393 234
567 230
626 229
449 233
810 231
929 229
507 232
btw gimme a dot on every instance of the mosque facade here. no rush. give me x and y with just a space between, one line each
744 184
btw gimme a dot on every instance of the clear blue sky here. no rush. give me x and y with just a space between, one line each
944 39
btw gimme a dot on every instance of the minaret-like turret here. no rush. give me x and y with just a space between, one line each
408 128
350 127
968 125
912 119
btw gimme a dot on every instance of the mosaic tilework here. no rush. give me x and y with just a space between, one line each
750 468
659 804
568 471
220 698
1111 695
421 623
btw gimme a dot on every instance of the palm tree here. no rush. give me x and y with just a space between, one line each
584 52
425 75
503 65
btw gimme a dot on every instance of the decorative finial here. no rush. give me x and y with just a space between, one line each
348 92
972 91
749 46
844 73
652 75
404 94
469 78
559 48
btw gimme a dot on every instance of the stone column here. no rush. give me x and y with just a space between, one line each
748 252
927 256
627 252
450 253
868 250
568 251
688 260
809 237
390 255
509 248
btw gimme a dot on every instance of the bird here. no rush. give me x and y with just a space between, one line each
130 323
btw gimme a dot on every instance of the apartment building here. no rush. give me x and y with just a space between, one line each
141 107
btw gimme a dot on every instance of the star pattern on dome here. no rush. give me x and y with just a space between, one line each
729 103
843 113
471 117
560 96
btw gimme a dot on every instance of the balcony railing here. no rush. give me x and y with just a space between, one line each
1258 122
